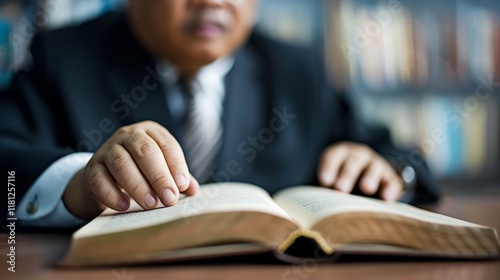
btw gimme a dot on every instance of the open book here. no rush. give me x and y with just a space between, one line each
234 218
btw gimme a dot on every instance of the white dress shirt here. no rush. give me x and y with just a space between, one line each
42 205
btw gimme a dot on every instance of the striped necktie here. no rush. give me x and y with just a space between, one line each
201 129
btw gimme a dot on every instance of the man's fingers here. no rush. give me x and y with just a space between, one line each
143 161
151 162
372 177
344 164
392 187
102 186
172 152
330 164
350 172
122 167
193 188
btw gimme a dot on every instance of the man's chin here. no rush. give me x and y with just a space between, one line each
208 56
196 62
200 55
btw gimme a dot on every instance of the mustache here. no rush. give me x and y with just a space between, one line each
221 18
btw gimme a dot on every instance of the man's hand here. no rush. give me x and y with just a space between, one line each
143 161
344 164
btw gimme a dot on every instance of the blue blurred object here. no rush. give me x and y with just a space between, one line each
5 54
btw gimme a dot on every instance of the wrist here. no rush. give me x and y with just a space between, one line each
408 178
78 200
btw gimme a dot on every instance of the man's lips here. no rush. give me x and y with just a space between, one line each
207 30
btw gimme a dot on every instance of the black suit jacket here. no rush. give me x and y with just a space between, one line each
87 81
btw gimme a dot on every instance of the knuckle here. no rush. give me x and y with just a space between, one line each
95 183
332 151
107 198
381 164
395 185
160 181
392 178
389 169
93 162
364 150
177 165
140 145
350 172
164 144
101 150
117 162
124 130
143 149
136 189
377 166
355 161
350 164
341 146
150 123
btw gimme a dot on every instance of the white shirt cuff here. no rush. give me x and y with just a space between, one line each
42 205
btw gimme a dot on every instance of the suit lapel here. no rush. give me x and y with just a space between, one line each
244 105
134 81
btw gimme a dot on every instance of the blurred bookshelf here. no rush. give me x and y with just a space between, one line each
20 20
429 70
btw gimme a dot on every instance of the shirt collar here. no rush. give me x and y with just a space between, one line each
213 72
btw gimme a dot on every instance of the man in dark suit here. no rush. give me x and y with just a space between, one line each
147 103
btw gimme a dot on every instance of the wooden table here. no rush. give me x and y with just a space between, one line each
37 252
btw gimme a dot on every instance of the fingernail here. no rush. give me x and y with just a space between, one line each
122 204
327 178
149 200
343 185
168 196
180 180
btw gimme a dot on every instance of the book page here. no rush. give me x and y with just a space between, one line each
220 197
308 205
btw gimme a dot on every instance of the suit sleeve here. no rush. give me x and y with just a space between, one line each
31 126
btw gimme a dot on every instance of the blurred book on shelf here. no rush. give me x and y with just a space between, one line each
480 46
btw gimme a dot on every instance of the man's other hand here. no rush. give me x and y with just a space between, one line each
345 164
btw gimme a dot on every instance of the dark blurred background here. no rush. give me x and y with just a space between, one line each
429 70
